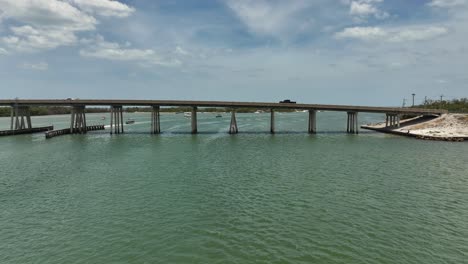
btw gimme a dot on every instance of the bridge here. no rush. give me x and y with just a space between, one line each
21 116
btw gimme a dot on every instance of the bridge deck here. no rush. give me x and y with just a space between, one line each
228 104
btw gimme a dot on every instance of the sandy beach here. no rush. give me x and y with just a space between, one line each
444 127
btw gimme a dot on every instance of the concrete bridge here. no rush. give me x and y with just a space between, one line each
21 116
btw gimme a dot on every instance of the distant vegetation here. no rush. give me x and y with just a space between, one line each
61 110
453 106
51 110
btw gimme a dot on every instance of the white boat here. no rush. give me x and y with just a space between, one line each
258 112
187 114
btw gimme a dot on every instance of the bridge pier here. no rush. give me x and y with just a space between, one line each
116 122
312 122
20 117
194 120
78 120
352 124
233 127
392 120
272 121
155 123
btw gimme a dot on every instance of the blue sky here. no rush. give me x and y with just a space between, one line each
373 52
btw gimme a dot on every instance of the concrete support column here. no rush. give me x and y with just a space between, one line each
352 123
78 120
20 117
155 123
272 121
194 120
233 127
394 120
312 122
121 119
356 123
116 125
348 123
12 114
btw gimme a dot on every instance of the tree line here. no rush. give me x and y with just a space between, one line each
453 106
50 110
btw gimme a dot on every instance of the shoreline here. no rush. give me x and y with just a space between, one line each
447 127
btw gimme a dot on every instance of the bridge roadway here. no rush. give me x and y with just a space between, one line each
227 104
21 117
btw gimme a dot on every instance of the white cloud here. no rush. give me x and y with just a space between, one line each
107 8
181 51
447 3
46 13
102 49
392 34
3 51
272 18
47 24
364 33
41 66
417 34
361 9
29 39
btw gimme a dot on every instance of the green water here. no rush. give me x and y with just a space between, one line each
247 198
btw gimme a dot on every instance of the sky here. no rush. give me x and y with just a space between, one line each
354 52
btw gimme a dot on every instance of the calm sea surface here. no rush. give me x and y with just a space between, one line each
215 198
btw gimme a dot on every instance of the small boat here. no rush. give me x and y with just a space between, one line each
218 115
103 118
130 121
258 112
187 114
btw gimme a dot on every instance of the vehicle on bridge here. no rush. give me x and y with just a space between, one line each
287 101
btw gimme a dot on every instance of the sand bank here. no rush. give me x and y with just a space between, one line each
445 127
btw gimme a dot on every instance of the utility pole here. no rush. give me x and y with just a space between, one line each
441 97
425 100
413 94
404 102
